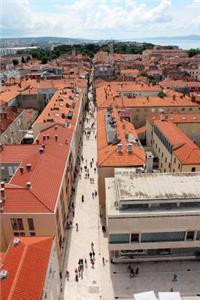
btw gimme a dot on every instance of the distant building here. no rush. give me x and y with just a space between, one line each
153 216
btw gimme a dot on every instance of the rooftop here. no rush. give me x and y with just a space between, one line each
113 130
184 149
158 186
26 264
45 175
176 118
133 95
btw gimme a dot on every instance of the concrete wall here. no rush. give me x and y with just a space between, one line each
51 289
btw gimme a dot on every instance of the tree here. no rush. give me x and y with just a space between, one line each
44 60
161 94
15 62
23 60
193 52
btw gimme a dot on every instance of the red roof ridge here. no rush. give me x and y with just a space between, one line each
18 272
41 201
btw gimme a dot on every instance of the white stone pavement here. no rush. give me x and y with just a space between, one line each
113 281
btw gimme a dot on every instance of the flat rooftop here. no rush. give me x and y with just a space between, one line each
157 186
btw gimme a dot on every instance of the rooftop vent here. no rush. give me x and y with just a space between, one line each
119 148
16 242
3 274
2 184
56 138
28 185
28 167
129 148
3 193
21 169
56 127
41 150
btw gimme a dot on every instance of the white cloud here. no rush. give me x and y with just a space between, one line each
93 19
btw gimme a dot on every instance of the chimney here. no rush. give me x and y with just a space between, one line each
119 148
56 138
174 97
56 127
2 184
21 169
41 150
28 167
3 194
129 148
28 185
149 162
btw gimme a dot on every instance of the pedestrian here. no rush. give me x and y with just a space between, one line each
90 165
92 262
93 254
92 160
92 245
76 226
73 213
95 170
76 277
132 273
137 271
95 193
92 195
67 275
103 261
72 204
60 275
175 277
82 199
90 254
85 263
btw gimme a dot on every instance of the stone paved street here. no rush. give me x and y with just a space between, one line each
113 281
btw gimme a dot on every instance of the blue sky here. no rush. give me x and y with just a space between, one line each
100 19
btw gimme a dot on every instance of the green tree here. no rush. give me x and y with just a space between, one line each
193 52
15 62
44 60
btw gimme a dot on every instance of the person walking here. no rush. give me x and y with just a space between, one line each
92 245
93 255
137 271
85 263
76 226
67 275
103 261
82 198
90 254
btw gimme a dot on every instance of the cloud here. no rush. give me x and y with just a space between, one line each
98 19
79 18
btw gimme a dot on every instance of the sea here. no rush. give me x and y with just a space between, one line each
181 43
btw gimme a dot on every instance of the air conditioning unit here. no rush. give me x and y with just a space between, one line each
119 148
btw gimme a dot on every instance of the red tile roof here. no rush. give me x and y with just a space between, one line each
107 154
45 176
27 265
183 148
176 118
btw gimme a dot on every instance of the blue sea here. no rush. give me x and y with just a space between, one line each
184 44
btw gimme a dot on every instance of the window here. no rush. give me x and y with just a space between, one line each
169 165
31 224
174 159
162 237
119 238
179 166
17 224
134 237
162 154
190 236
193 169
165 159
164 170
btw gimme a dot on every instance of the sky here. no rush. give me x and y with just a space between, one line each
99 19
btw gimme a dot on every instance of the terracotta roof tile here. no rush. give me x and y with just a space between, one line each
27 265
